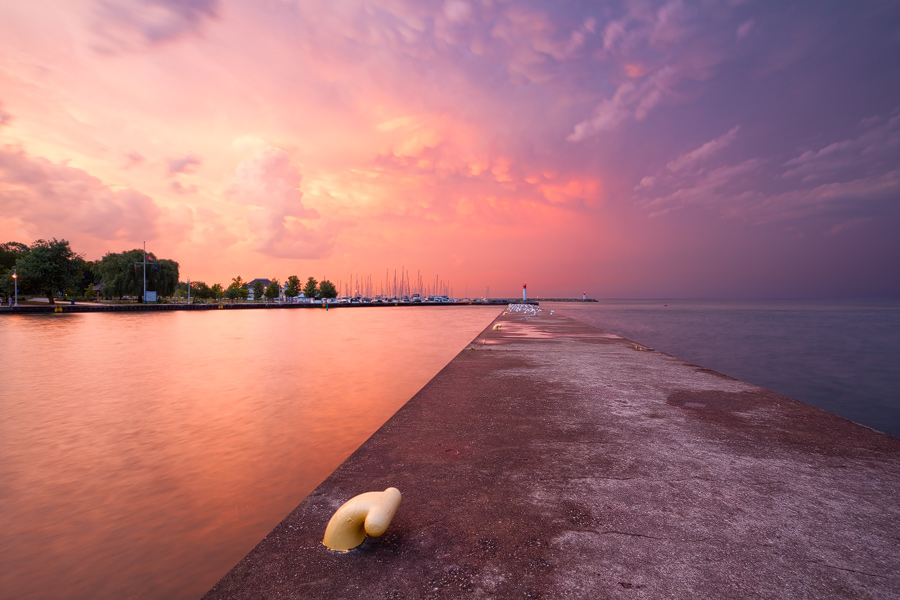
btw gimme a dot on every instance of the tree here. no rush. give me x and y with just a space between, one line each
217 291
258 289
327 289
87 278
237 289
10 252
273 290
311 289
122 274
293 286
201 291
48 267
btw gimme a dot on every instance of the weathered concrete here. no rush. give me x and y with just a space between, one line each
551 460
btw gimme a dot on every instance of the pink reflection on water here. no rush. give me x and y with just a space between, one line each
143 455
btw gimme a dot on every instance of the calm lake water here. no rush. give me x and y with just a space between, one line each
143 455
842 356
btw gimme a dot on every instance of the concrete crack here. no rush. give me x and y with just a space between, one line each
825 564
630 534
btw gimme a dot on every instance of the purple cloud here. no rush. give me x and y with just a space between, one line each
840 178
133 159
184 164
127 25
877 143
704 152
178 188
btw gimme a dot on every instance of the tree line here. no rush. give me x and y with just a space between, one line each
240 289
52 269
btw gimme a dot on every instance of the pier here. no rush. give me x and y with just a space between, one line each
550 459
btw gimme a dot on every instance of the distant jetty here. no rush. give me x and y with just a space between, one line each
565 300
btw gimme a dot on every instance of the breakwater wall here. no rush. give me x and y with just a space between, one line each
552 460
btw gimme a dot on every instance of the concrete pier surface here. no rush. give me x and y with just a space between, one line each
552 460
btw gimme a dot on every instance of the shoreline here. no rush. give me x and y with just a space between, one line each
85 307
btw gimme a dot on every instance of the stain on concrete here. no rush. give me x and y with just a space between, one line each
714 400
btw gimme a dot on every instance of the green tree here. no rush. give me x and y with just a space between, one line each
292 288
311 289
122 274
327 289
201 291
237 289
217 290
258 290
273 290
48 267
10 252
87 278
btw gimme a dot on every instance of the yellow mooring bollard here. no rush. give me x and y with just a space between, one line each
370 513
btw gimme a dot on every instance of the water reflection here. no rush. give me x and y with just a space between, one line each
142 455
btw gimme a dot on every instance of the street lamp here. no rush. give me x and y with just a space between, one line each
16 286
189 291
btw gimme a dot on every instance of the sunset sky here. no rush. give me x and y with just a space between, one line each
629 148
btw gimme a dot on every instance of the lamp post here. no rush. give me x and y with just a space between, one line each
189 291
16 286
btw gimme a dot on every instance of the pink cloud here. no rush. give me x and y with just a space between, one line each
5 117
457 11
268 184
42 196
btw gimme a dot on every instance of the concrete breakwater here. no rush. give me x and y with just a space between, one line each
552 460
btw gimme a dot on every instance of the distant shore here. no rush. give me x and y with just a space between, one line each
81 307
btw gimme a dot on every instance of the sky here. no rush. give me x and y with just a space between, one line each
628 148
